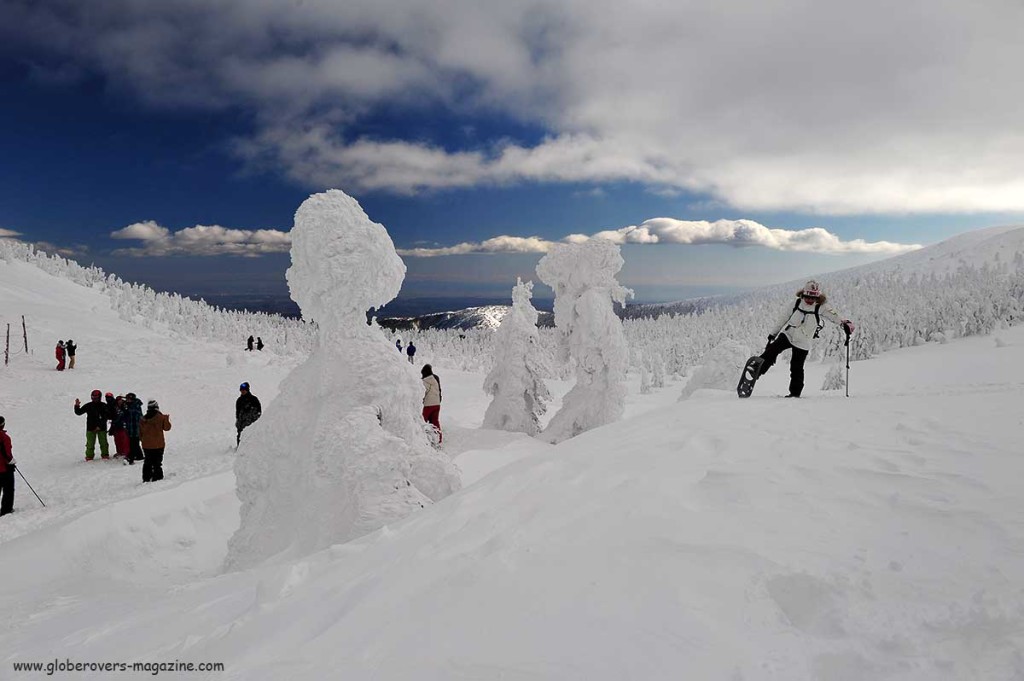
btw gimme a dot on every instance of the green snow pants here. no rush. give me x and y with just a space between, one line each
90 444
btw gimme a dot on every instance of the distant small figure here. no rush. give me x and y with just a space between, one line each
60 353
259 343
432 399
95 425
411 351
6 471
398 344
71 349
152 427
247 411
248 344
132 425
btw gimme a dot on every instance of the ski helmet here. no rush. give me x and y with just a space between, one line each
153 404
96 394
812 289
244 386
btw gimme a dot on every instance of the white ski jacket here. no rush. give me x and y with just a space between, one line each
432 391
799 324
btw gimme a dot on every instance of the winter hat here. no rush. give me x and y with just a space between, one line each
109 395
812 289
3 422
96 394
244 386
152 405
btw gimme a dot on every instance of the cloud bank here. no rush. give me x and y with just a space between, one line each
738 233
201 240
828 107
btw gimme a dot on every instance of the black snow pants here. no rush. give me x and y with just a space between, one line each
153 466
7 491
796 363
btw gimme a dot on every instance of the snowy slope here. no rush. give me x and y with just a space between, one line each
875 537
195 382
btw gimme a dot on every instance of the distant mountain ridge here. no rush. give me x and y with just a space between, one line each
991 246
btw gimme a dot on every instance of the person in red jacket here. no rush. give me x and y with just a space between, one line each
6 471
59 351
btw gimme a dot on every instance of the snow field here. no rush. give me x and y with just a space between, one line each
875 537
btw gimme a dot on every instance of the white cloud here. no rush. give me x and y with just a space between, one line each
737 233
8 233
825 107
142 231
205 240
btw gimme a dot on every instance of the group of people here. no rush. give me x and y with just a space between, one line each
65 353
137 436
249 343
410 350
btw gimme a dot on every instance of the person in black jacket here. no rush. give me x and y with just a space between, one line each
95 425
71 349
132 425
247 411
248 344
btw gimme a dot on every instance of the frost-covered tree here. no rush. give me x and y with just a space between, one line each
590 334
340 452
515 382
834 379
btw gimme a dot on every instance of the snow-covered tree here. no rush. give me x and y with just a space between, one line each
516 381
582 276
341 451
834 379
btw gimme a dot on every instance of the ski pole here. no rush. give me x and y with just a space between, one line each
29 486
847 363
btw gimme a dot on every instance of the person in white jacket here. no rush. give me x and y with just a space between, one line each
800 326
431 399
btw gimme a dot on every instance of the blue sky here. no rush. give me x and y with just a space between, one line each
172 142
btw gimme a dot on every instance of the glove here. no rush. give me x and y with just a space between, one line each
12 463
847 327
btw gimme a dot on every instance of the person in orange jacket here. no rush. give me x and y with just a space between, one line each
152 428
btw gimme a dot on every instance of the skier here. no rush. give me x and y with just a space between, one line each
259 343
152 427
247 411
398 344
132 421
60 355
798 328
71 349
411 351
95 425
248 344
432 399
6 471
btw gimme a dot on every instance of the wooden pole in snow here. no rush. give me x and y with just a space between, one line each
24 332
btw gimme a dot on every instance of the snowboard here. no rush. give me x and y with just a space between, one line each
748 378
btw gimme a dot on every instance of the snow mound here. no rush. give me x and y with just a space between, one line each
341 451
721 369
